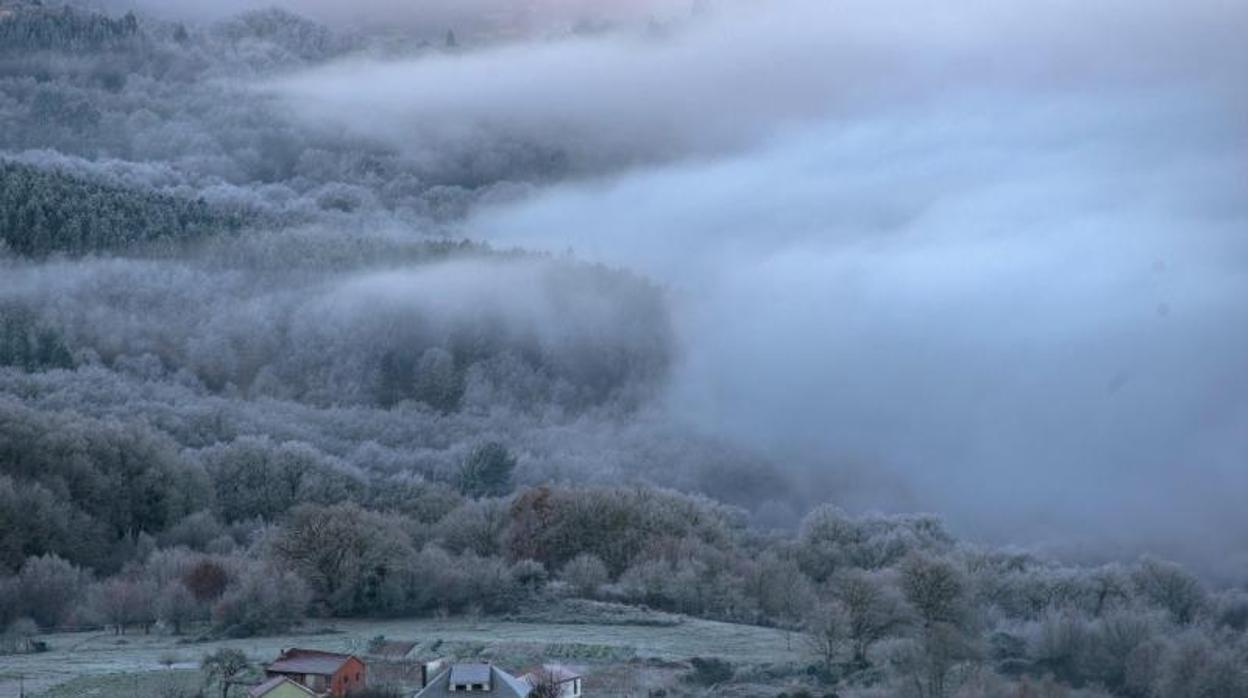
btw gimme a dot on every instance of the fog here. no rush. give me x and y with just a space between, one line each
988 260
514 17
913 332
744 73
1035 354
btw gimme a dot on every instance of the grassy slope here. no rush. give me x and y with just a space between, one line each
510 643
152 683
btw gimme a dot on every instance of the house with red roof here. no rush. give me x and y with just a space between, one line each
325 673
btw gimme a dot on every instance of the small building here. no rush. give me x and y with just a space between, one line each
429 670
280 687
478 678
326 673
568 681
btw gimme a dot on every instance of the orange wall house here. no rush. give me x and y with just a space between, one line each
324 672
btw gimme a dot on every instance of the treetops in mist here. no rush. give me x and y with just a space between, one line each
31 26
250 372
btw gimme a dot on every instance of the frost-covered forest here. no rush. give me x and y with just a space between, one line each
257 368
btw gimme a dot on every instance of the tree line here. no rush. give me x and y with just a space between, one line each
111 524
879 603
33 27
43 212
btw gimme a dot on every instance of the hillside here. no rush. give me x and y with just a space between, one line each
642 339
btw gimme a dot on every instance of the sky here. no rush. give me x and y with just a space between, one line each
989 258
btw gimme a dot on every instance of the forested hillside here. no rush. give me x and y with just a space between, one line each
33 27
252 373
49 211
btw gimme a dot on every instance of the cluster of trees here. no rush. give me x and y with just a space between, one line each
473 329
114 145
172 587
143 100
278 34
413 453
27 345
885 605
331 420
99 493
48 211
81 488
33 27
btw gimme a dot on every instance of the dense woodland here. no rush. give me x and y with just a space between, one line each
244 381
46 211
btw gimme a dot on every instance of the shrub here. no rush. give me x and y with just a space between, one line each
265 600
586 574
48 589
1170 587
207 581
486 472
529 574
19 636
710 671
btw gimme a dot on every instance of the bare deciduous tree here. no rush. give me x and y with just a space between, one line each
120 603
827 632
545 682
872 610
223 665
936 592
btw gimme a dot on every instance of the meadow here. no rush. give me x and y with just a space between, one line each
106 665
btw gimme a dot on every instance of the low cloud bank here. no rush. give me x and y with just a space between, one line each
1031 325
745 72
985 259
1014 290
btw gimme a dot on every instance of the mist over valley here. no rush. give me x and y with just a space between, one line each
909 330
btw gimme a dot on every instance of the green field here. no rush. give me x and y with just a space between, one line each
105 665
147 683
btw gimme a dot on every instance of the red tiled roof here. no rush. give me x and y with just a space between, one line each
297 661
